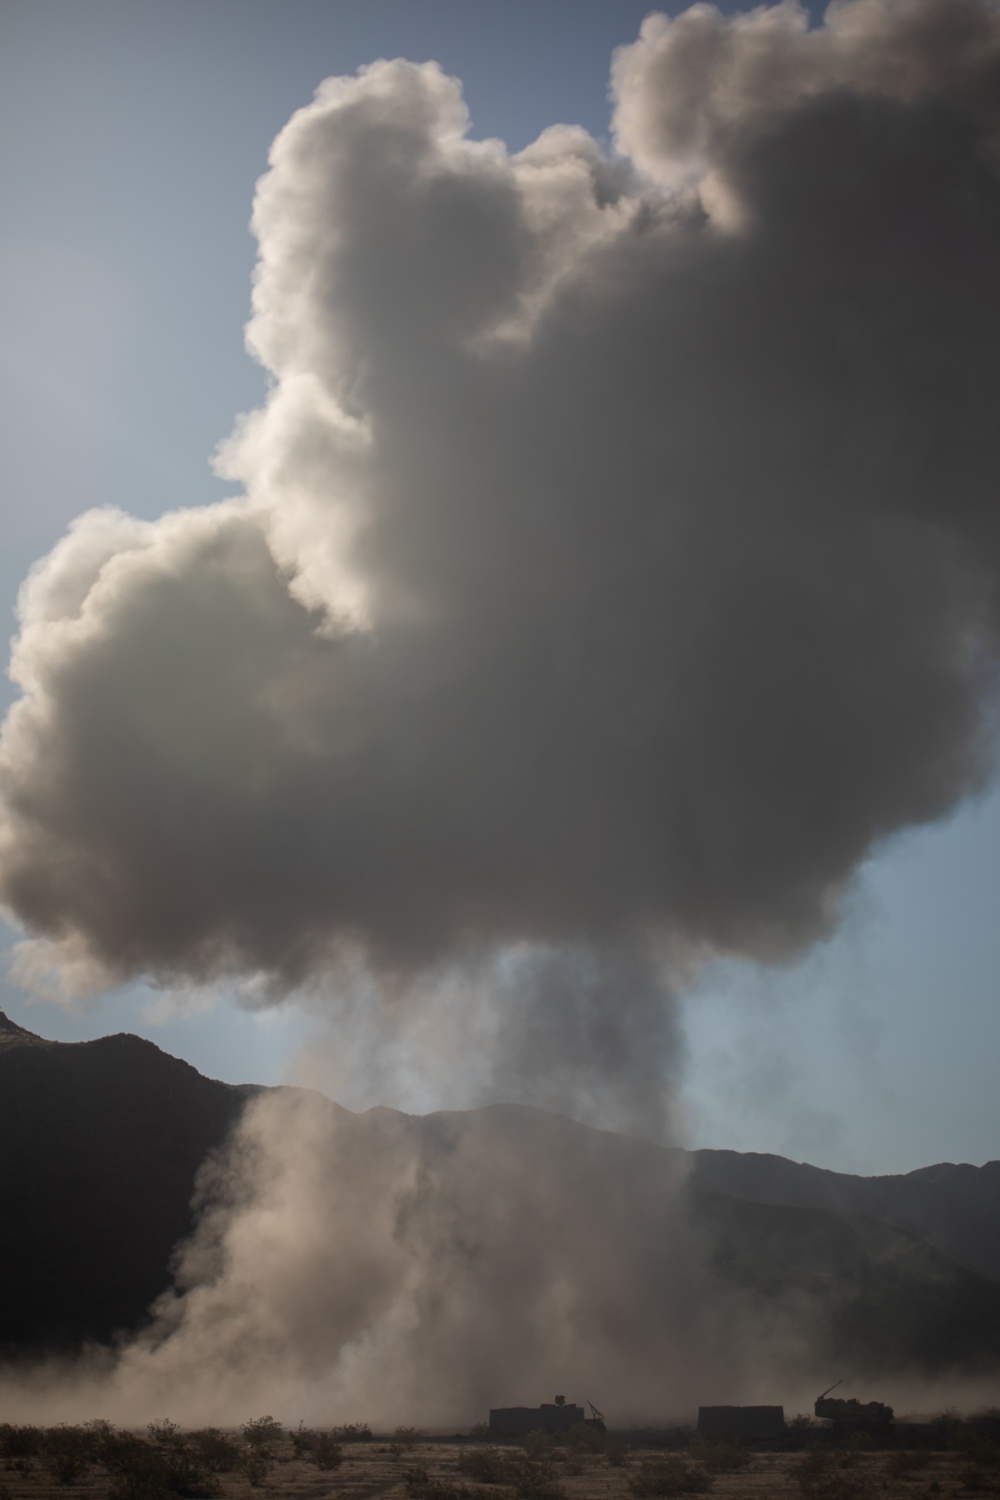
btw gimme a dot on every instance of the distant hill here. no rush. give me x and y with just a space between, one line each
102 1141
955 1208
872 1297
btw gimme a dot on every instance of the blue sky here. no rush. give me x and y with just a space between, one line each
131 135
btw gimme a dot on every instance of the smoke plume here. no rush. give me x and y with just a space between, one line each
616 567
618 555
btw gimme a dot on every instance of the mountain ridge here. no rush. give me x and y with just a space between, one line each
105 1138
954 1206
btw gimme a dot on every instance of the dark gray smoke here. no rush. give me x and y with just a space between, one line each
619 556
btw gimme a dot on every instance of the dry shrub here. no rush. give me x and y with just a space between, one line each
138 1473
668 1476
218 1453
420 1486
262 1434
537 1482
530 1476
326 1452
720 1457
184 1475
256 1464
160 1469
824 1476
488 1465
304 1439
174 1461
19 1442
67 1451
164 1433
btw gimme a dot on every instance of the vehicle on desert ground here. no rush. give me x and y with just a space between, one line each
551 1416
851 1413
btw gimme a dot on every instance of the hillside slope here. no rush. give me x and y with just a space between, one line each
953 1206
103 1141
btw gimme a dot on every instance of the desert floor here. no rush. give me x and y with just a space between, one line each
437 1470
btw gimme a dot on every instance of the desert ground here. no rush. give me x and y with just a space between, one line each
262 1461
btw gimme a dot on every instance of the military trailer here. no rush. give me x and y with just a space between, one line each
555 1416
853 1414
741 1423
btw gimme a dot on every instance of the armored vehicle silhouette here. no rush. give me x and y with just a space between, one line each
851 1413
555 1416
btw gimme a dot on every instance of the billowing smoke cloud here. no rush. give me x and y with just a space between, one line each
619 552
617 568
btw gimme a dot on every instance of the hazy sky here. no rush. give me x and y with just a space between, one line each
131 136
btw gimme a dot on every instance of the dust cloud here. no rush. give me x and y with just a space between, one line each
617 568
390 1268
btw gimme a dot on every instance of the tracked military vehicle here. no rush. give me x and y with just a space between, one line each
853 1414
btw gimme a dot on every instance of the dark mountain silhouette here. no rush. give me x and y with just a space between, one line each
872 1297
102 1142
954 1207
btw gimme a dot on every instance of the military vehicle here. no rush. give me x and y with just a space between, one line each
852 1413
557 1416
